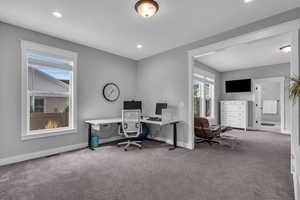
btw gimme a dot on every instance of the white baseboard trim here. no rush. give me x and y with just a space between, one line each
189 146
296 185
30 156
251 128
287 132
40 154
34 155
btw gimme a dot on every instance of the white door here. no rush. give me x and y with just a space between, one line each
258 106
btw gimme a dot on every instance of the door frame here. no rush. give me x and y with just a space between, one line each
293 27
287 27
281 80
256 97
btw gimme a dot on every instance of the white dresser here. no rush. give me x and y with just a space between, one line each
234 114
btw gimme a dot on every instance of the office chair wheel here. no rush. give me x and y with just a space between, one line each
118 145
125 149
140 147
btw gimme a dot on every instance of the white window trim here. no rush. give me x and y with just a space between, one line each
26 47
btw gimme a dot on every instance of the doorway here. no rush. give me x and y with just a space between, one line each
292 27
269 104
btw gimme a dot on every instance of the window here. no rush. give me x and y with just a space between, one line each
203 96
36 104
49 92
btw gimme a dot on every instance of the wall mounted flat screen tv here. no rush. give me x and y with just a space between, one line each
238 86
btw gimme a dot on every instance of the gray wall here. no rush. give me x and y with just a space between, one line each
165 75
280 70
95 68
217 74
164 79
159 77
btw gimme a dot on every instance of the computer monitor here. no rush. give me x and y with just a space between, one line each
159 107
132 105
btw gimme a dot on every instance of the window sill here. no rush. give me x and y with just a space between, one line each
48 133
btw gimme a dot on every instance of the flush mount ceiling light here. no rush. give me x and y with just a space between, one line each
146 8
286 48
57 14
248 1
139 46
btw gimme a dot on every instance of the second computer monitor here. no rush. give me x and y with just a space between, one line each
159 107
132 105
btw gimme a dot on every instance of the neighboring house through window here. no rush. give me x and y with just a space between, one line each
204 100
49 92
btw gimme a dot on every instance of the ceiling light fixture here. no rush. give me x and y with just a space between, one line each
248 1
139 46
146 8
57 14
286 48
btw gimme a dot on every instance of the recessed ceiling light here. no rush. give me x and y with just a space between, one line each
57 14
139 46
286 48
248 1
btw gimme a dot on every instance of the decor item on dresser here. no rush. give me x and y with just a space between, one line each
111 92
234 114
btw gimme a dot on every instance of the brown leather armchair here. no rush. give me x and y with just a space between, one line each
204 133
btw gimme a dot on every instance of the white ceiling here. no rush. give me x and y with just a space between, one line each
254 54
114 26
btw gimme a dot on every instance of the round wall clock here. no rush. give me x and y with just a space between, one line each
111 92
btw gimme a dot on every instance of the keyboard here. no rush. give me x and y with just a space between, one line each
157 119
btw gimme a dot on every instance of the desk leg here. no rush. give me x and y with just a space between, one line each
90 137
174 137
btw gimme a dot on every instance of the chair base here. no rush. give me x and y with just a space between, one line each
210 142
129 143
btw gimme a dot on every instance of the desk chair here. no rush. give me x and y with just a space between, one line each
205 133
131 125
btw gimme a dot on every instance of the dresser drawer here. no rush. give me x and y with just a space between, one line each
234 113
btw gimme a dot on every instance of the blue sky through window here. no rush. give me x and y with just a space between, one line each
54 72
195 82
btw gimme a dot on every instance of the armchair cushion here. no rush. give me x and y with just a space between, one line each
203 130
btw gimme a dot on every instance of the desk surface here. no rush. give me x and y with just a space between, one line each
104 121
119 120
160 123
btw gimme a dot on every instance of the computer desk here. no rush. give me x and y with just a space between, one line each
118 120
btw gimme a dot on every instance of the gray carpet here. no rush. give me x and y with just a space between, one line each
256 169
